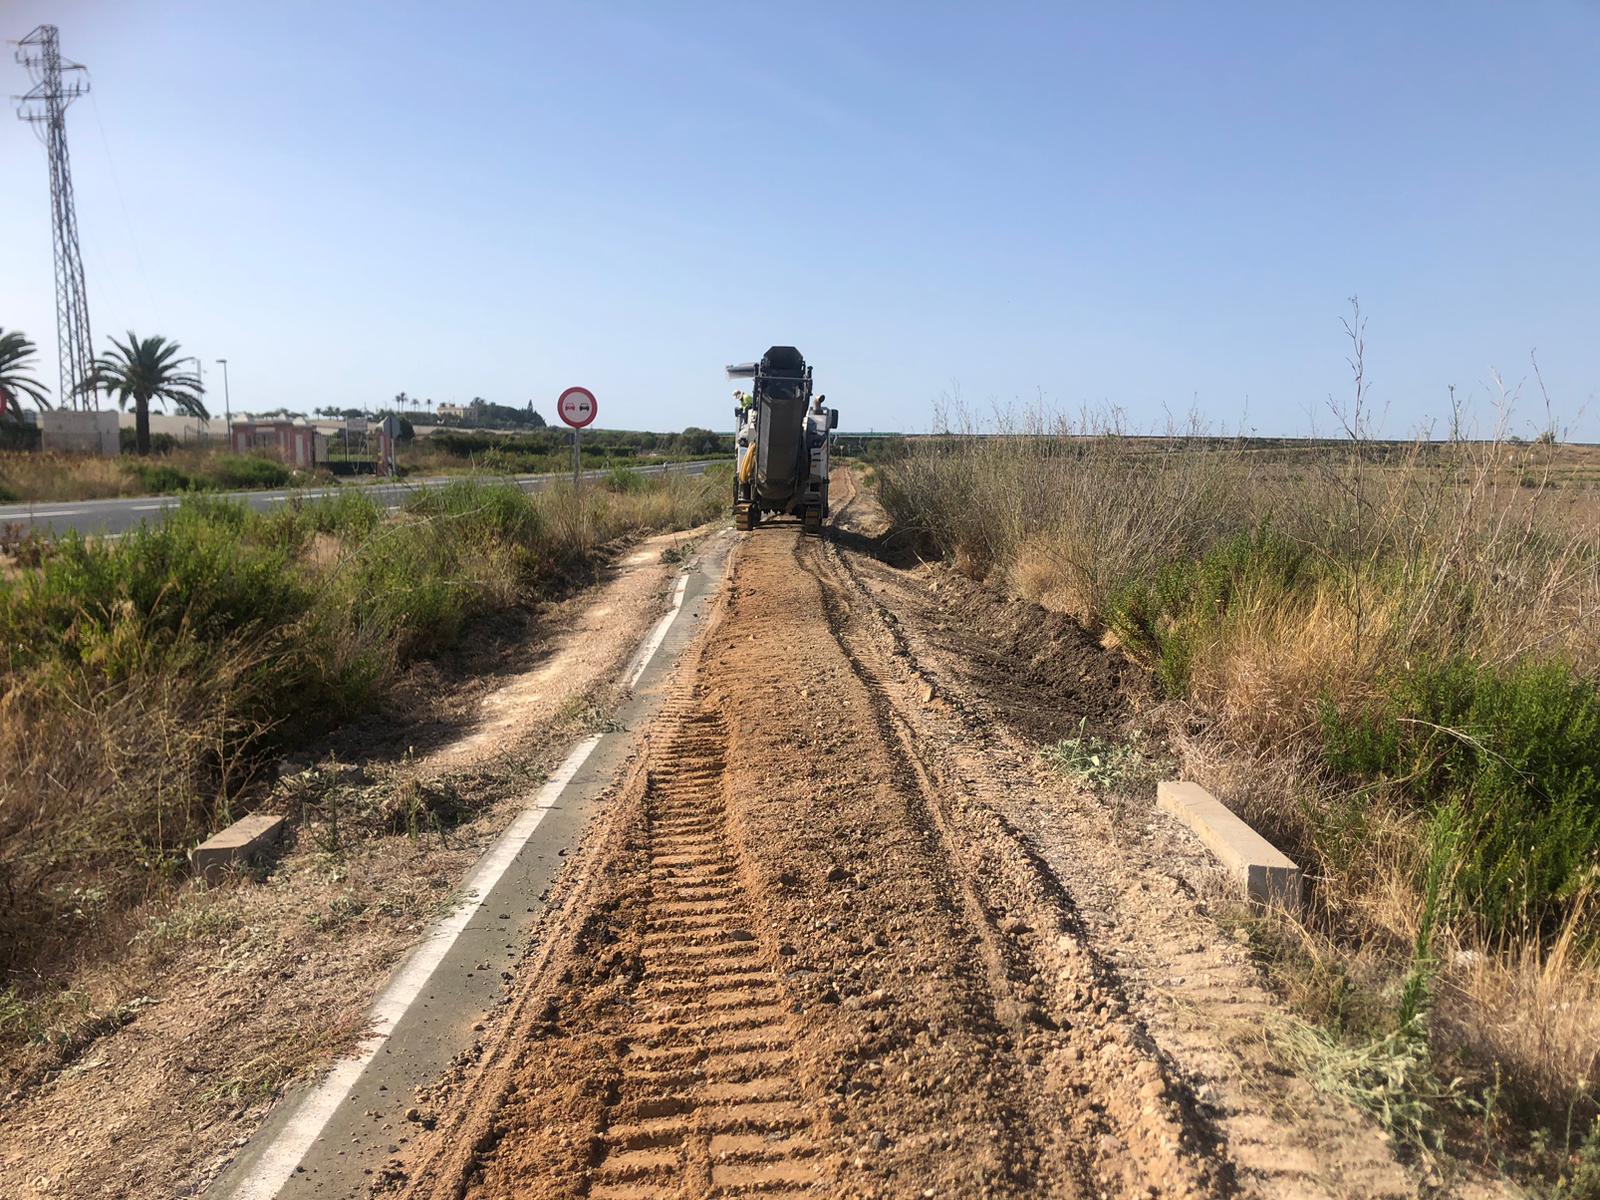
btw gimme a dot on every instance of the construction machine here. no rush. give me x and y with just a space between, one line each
781 444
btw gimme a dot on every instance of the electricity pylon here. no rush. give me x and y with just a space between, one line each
57 84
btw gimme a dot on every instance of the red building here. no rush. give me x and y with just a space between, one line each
294 444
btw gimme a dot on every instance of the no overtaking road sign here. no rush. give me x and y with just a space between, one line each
577 407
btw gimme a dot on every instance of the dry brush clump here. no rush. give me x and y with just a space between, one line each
1401 637
55 477
145 682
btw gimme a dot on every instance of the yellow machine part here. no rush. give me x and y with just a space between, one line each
748 467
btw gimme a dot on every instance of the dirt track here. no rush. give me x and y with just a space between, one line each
806 954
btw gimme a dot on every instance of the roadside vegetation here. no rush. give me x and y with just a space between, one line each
145 371
550 449
138 371
147 684
53 477
171 468
1391 652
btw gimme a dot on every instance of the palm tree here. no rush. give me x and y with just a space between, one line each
146 369
15 351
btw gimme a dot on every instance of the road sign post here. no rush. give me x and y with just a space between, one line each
577 408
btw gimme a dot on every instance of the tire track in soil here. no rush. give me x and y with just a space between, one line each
1102 1101
707 1105
1196 996
651 1052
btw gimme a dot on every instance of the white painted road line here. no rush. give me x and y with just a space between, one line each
647 651
284 1155
278 1161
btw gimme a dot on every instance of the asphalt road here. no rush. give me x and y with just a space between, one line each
128 512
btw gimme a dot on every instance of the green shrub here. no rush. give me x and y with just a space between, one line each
162 479
511 461
350 514
483 512
400 590
1517 748
1165 618
1580 1180
230 472
623 480
1393 1077
1097 764
249 471
160 443
147 679
114 607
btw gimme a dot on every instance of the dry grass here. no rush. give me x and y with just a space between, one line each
1534 1008
1283 590
1280 657
54 477
148 751
1525 1007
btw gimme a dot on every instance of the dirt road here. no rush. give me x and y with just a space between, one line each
807 955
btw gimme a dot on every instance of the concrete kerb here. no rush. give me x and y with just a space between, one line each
246 839
1269 876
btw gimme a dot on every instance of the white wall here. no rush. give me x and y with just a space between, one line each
80 432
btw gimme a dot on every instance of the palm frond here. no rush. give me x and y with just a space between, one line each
15 352
147 369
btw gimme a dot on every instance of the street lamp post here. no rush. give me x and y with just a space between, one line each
227 403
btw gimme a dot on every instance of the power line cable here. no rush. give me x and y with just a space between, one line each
127 222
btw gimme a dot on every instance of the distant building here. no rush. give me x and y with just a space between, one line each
291 443
458 411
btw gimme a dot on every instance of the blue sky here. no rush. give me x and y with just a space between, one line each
1151 206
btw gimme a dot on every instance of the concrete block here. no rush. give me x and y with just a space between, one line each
1268 875
244 840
